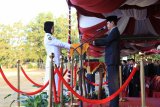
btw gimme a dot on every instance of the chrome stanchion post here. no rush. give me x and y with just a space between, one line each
100 83
74 73
51 80
72 60
143 100
18 81
80 76
75 83
61 96
120 82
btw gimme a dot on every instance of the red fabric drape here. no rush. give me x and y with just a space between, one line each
155 23
96 48
144 48
103 100
152 51
98 6
94 53
93 65
130 27
94 29
19 91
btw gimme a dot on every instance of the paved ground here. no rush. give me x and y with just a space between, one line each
36 75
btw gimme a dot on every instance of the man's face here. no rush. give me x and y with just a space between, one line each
132 62
110 25
52 30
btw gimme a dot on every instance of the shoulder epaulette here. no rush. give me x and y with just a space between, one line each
49 37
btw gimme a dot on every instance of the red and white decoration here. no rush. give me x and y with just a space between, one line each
137 18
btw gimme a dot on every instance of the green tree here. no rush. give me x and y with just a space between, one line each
62 29
34 47
4 45
25 42
17 41
11 40
35 34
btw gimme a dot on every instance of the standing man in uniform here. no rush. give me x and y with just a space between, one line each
112 56
52 45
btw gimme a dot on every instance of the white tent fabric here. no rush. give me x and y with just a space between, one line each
135 18
122 23
136 13
158 47
141 3
144 27
85 21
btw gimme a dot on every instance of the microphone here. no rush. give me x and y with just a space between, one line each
103 28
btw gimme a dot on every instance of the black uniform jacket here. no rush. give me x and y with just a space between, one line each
112 48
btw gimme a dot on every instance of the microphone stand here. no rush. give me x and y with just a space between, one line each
89 40
81 62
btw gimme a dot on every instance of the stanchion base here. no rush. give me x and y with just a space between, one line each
123 99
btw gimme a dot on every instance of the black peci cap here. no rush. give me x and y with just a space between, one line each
111 18
48 26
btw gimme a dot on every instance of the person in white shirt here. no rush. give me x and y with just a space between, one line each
52 45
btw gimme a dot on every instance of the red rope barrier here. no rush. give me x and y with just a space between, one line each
36 84
57 98
54 89
65 72
59 86
92 83
98 101
75 75
19 91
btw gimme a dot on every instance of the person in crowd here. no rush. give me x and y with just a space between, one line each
134 85
124 70
52 45
112 56
157 67
90 87
150 69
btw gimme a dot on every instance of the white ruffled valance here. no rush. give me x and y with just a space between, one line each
85 21
144 27
137 14
116 12
142 23
158 47
141 3
122 23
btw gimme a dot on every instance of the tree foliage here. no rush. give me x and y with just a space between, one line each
25 42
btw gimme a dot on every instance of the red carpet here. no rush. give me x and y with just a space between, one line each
132 102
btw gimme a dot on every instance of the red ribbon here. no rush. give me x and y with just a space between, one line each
95 83
36 84
19 91
54 88
103 100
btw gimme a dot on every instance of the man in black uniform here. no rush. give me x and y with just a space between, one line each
112 56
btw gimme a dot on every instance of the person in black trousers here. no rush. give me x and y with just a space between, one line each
112 56
134 85
91 78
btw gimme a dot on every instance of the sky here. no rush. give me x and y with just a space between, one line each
15 10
